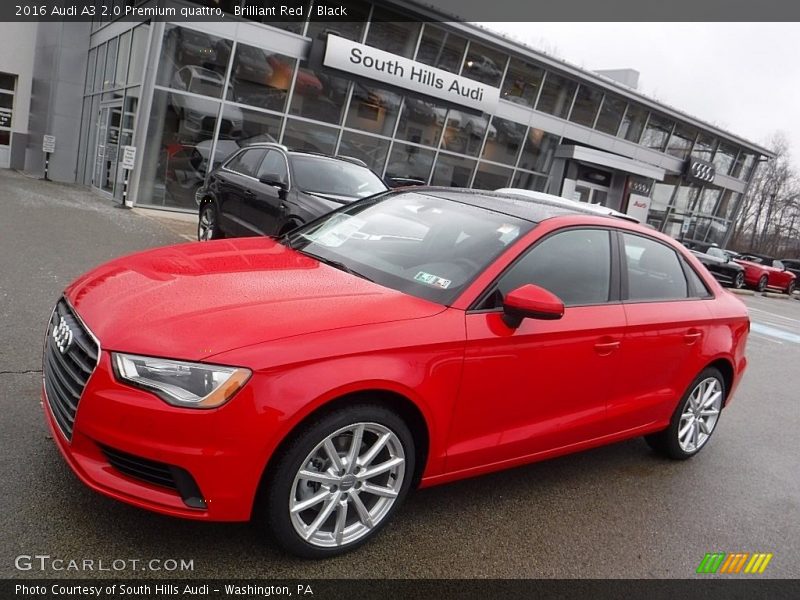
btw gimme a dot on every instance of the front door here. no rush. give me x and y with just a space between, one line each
109 120
544 385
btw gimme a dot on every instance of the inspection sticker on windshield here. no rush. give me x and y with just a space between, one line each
424 277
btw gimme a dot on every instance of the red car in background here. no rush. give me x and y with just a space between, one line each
410 338
762 272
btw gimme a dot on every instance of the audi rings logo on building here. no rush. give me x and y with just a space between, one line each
701 170
62 335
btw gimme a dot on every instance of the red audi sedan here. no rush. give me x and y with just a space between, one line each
409 339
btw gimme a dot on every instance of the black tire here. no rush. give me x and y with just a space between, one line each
277 488
790 288
208 211
762 283
667 442
738 281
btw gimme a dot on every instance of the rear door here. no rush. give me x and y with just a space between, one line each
667 323
237 178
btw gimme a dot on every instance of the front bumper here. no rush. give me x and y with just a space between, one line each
212 446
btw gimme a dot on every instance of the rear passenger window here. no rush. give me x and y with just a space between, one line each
247 162
654 270
575 265
697 287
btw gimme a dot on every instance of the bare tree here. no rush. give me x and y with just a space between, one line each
769 219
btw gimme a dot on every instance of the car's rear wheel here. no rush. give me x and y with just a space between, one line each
338 482
790 288
738 281
208 223
762 283
695 418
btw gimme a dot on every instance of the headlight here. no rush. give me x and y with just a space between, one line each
194 385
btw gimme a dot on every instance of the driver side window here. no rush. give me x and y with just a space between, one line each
575 265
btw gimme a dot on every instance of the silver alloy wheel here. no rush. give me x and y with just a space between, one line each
206 225
739 281
347 485
700 415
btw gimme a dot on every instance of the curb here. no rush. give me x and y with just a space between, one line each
741 292
775 295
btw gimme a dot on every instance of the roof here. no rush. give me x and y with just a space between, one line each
526 208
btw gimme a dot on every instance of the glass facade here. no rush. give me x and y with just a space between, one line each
214 94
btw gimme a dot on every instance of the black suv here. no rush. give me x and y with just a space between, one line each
266 189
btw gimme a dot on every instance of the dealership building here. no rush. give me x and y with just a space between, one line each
418 97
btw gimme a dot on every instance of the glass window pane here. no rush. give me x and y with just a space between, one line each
491 177
727 204
484 64
7 81
452 171
441 49
744 162
587 102
5 137
537 154
388 31
633 123
138 53
464 132
504 146
193 61
657 133
370 149
680 144
101 67
559 261
685 197
373 110
522 83
319 95
704 147
556 96
661 197
90 66
300 135
529 181
409 164
708 200
292 23
123 54
610 116
173 154
421 122
654 271
717 231
352 30
6 101
111 64
261 78
724 157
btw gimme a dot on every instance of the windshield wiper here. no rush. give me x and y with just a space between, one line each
340 265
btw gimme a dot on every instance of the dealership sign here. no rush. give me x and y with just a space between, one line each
700 171
366 61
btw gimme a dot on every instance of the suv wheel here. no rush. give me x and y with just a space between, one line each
695 418
208 224
339 481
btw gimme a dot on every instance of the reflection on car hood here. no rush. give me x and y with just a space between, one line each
194 300
333 197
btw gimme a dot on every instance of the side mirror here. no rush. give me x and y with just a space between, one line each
531 302
274 180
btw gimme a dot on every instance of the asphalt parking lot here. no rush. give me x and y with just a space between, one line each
618 511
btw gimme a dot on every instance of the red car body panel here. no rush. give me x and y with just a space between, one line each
490 396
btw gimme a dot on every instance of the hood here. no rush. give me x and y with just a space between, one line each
339 199
194 300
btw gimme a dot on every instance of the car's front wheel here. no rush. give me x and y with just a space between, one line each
762 283
695 418
208 224
738 281
338 482
790 288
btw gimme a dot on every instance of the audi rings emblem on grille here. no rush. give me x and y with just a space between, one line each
62 335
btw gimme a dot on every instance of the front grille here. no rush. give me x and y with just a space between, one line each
70 357
156 473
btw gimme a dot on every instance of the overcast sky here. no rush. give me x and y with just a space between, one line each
742 77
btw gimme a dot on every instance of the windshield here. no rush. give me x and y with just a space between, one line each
417 244
322 175
716 252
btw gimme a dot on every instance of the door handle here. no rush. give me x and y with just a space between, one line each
691 336
607 346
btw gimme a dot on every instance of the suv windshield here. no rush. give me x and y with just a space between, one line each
323 175
417 244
